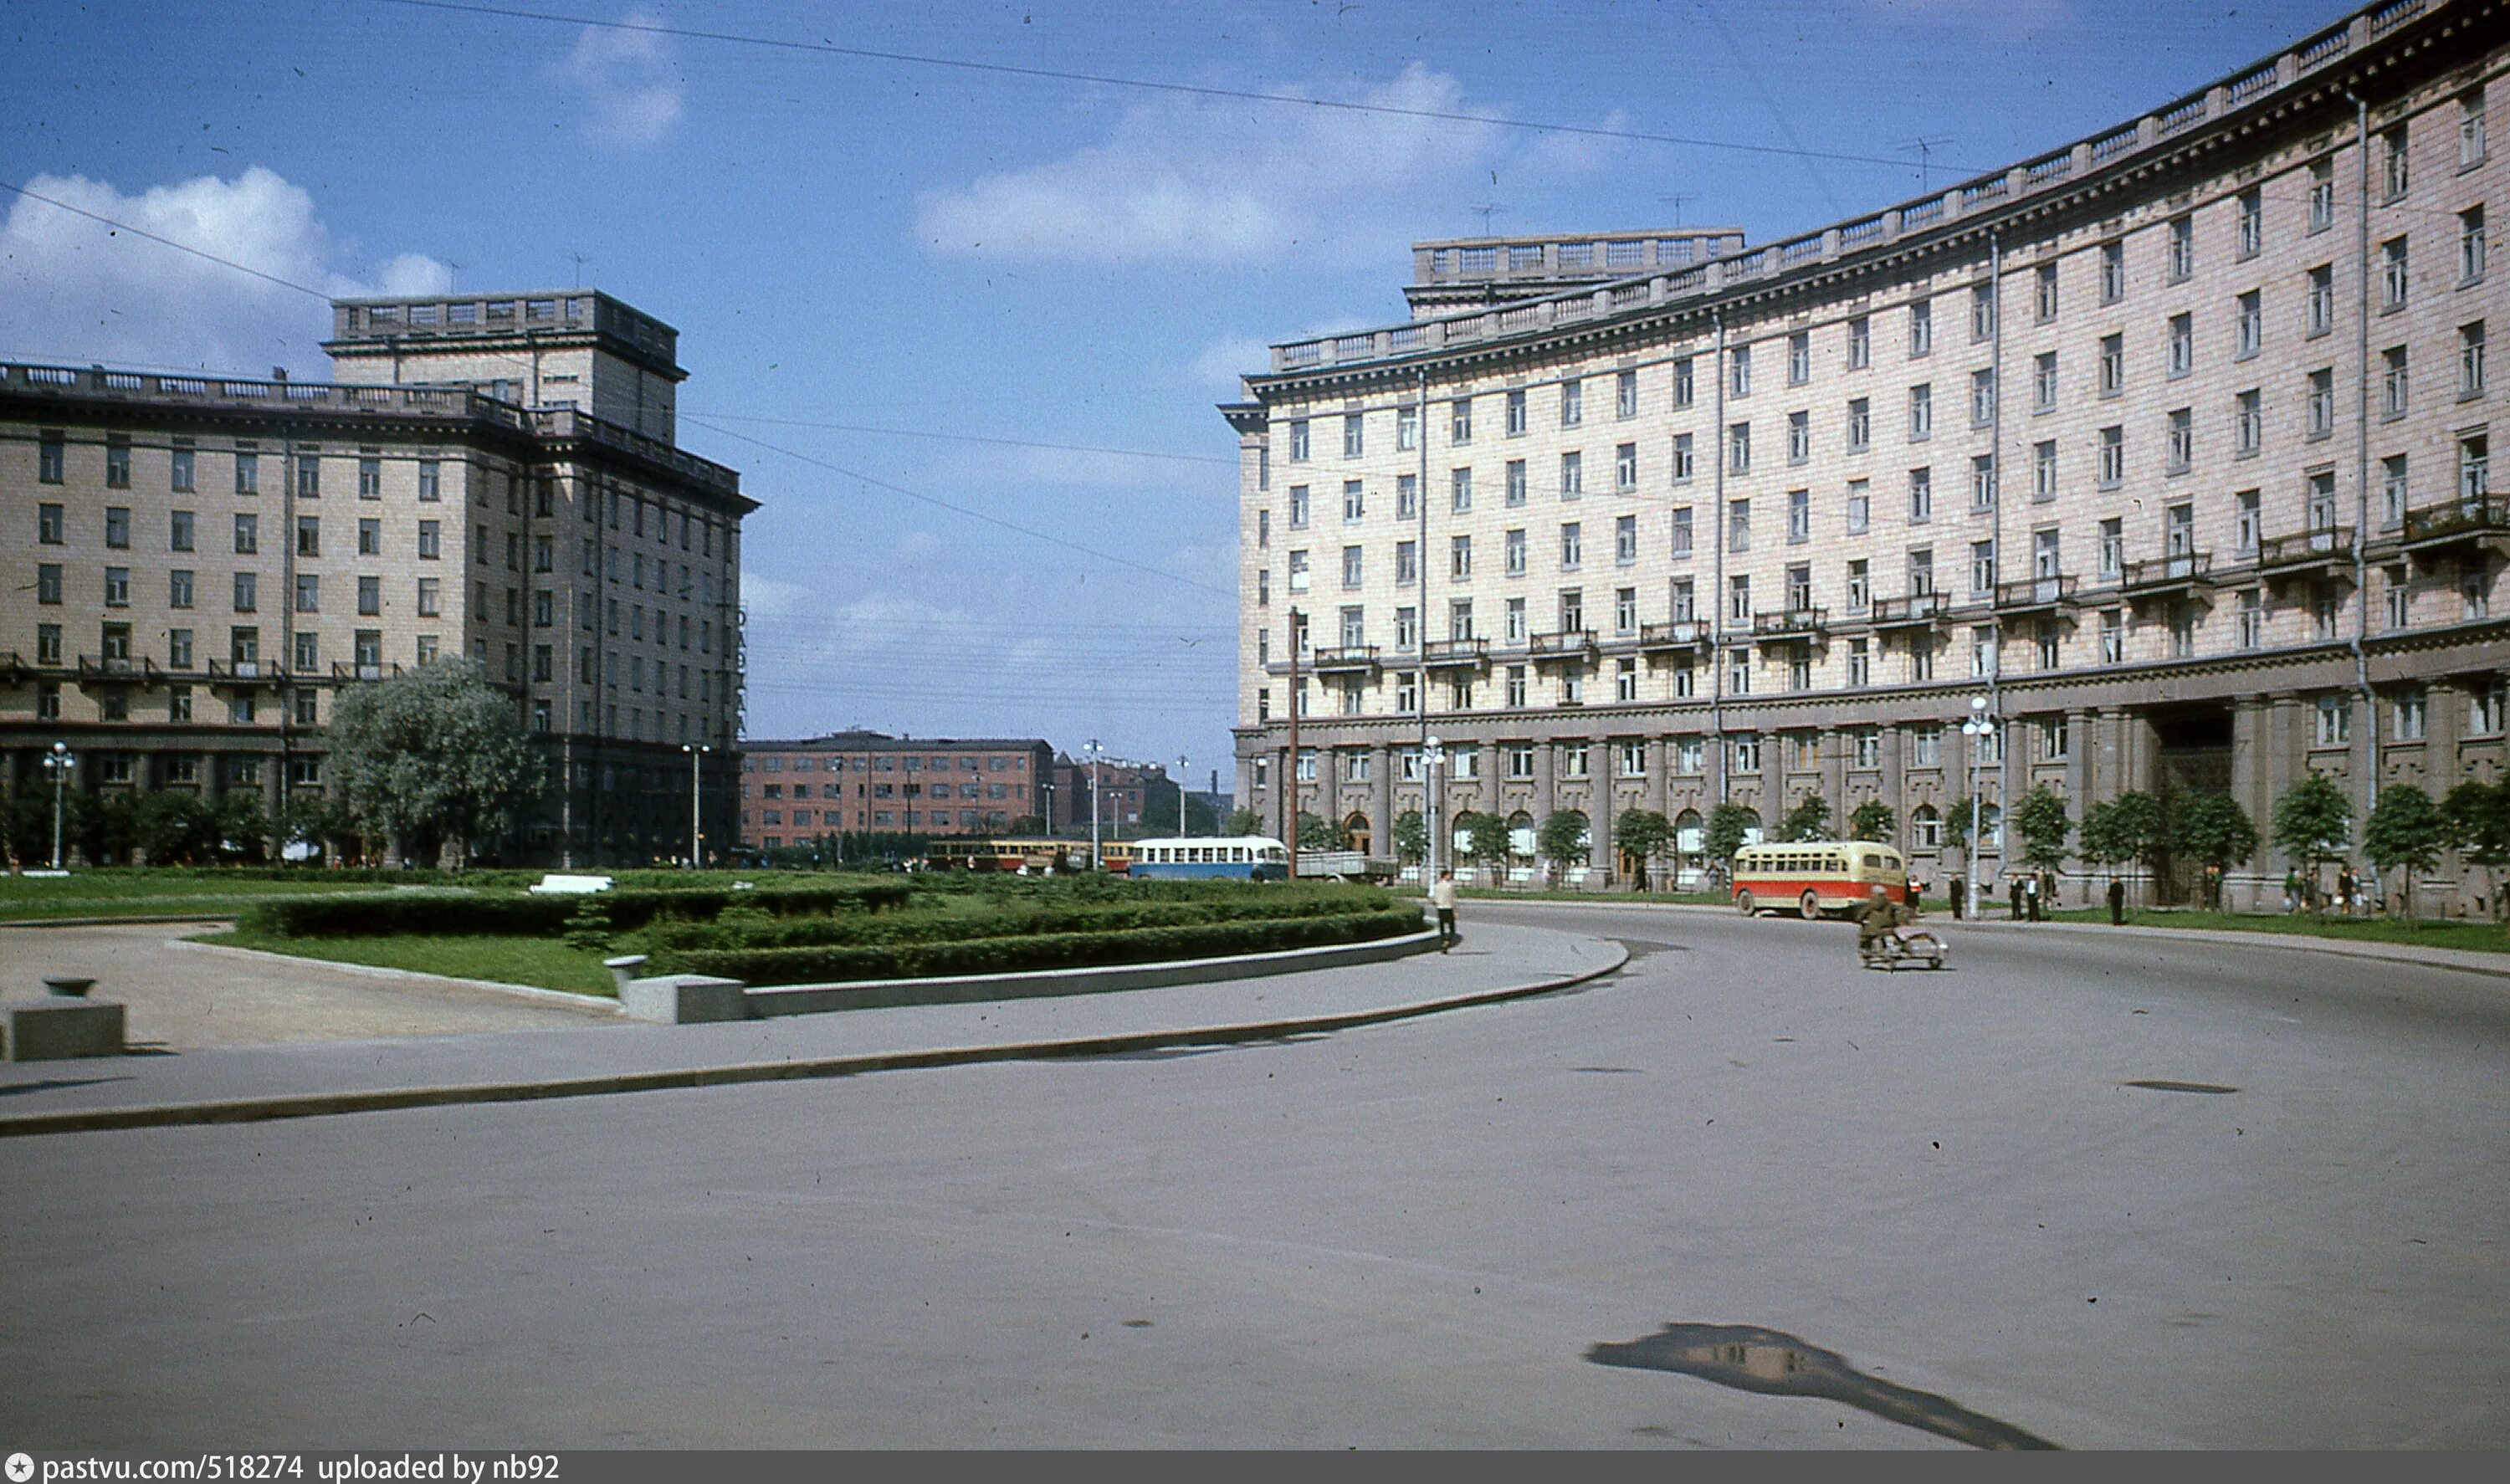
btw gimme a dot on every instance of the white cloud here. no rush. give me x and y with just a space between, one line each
72 288
1225 181
627 81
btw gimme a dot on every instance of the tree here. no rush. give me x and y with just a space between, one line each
2407 832
1411 837
1808 819
433 754
1242 822
1320 834
2133 827
315 820
2040 819
1728 824
1565 839
1489 837
2212 828
173 829
1642 834
239 827
1026 824
2479 819
2313 823
1873 821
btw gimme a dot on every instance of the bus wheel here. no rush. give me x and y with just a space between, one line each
1810 907
1744 904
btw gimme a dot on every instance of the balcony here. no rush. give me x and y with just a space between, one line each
1791 624
1917 610
343 672
2036 595
2474 525
1681 633
93 669
244 674
1455 654
1565 644
2163 578
1347 660
2304 555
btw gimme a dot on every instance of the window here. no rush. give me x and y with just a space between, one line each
2322 403
1350 567
1982 313
1739 383
2393 274
117 462
1982 398
178 649
1921 496
2392 495
1982 567
1407 691
2183 345
308 476
178 587
180 477
1738 600
1626 394
370 478
2474 466
1921 659
1799 516
308 535
1459 557
2247 424
1982 663
1738 449
1860 672
1739 525
1922 412
1746 748
1922 328
1625 610
2393 179
2470 360
2113 636
247 470
1682 531
1798 357
1298 444
1460 490
2247 521
1625 540
2112 271
1799 437
2179 529
2043 470
1571 545
2112 551
1573 476
1355 502
1299 507
2183 248
1513 624
1512 554
309 592
1682 383
1573 687
1860 423
1572 404
2044 382
2392 382
1860 343
2112 471
2250 337
1407 501
2044 298
371 538
247 593
2180 448
430 487
2318 316
1353 442
2335 721
1516 421
2470 130
247 535
2112 364
2252 619
2047 644
1407 428
1407 563
2485 708
430 541
2470 245
2253 234
2322 195
2406 714
430 600
1625 468
1626 687
1459 421
1298 571
48 525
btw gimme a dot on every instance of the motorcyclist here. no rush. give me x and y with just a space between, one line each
1878 917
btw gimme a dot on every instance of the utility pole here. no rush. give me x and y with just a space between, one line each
1290 784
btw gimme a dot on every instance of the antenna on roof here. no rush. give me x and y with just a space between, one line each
1675 200
579 261
1488 210
1925 148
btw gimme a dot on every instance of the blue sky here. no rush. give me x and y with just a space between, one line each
929 249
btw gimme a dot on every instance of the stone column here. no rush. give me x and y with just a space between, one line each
1546 773
1381 821
2242 885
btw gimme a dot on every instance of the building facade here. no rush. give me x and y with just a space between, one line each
1126 792
2167 452
208 562
794 791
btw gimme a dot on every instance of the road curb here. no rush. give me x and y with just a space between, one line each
256 1110
568 997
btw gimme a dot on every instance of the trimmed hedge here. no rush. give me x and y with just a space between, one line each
529 916
1010 919
1011 955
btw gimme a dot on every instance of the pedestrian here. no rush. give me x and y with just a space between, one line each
1442 896
2030 895
2344 892
2291 891
1959 890
2016 894
2117 902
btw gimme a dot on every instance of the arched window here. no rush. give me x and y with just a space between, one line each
1520 834
1926 827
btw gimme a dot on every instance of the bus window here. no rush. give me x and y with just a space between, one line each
1874 863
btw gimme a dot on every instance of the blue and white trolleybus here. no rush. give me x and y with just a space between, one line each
1242 857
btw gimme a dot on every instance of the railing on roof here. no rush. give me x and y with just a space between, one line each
2050 170
196 391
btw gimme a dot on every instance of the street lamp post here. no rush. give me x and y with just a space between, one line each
1181 782
696 751
59 762
1433 756
1978 729
1096 861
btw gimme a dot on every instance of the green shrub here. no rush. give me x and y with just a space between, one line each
527 916
1006 955
1021 918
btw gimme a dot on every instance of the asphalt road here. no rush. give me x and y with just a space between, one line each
1916 1209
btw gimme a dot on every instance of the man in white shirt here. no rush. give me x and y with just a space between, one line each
1443 897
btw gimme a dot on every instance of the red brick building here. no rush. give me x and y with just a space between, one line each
795 791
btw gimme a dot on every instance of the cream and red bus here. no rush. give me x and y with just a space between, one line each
1817 876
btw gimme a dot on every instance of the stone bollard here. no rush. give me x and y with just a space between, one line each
63 1024
622 970
684 999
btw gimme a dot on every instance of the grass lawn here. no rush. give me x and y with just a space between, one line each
142 893
542 961
2487 937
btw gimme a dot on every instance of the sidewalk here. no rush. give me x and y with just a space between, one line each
245 1083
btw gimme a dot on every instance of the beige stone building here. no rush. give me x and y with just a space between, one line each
2168 449
199 565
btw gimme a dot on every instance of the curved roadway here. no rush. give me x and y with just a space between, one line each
1878 1211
